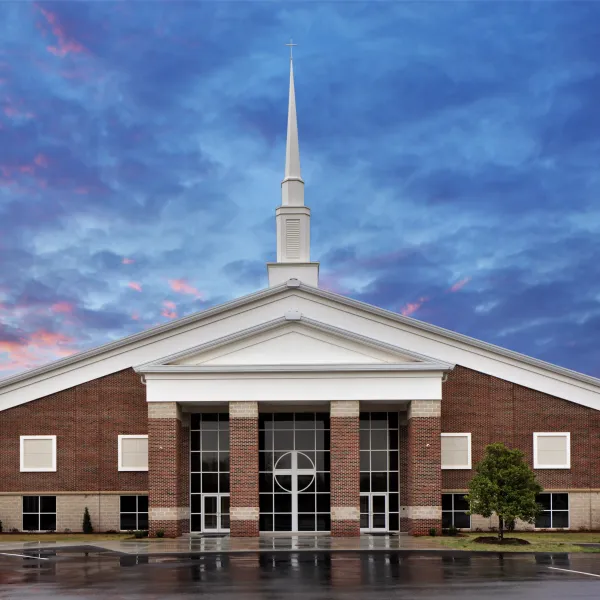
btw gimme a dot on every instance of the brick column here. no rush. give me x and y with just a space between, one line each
424 467
345 468
167 509
243 467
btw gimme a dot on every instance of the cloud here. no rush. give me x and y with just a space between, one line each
136 148
183 287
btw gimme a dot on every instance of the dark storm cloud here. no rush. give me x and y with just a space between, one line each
449 152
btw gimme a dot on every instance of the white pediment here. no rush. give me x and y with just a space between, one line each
291 347
283 342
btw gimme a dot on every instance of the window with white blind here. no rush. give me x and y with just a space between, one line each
38 453
133 453
552 450
456 450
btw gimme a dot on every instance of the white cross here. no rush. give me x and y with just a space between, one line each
291 46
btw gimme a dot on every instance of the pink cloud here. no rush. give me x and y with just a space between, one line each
134 285
460 284
41 160
183 287
412 307
62 307
38 347
169 309
64 44
127 261
135 316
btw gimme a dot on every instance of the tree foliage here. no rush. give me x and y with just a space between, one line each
505 485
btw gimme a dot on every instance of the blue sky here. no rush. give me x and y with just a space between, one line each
450 153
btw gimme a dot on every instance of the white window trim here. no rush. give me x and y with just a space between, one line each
536 435
120 461
459 467
24 469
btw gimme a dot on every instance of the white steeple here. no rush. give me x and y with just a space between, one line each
292 217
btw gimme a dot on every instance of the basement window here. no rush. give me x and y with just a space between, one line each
134 513
556 511
39 513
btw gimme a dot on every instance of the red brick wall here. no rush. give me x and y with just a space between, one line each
494 410
345 471
86 420
243 465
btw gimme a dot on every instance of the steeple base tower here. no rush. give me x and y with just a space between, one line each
307 273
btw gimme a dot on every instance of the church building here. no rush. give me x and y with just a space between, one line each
292 409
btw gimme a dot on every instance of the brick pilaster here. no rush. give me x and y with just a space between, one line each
167 508
424 467
345 468
243 466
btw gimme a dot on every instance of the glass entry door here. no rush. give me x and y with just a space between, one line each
295 473
215 513
373 512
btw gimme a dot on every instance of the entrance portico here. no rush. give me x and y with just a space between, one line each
294 426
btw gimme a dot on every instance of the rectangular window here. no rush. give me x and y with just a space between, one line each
134 513
39 513
552 450
454 511
133 453
456 450
38 453
556 511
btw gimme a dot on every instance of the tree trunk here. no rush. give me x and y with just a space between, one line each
500 528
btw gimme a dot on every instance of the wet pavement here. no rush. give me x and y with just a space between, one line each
97 573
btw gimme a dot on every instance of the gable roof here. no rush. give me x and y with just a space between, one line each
394 357
14 390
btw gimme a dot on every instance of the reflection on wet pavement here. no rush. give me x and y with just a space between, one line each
72 573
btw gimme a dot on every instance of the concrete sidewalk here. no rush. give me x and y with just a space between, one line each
265 543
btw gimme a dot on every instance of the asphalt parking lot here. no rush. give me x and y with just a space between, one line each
91 573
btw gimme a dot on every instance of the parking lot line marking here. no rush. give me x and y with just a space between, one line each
571 571
23 556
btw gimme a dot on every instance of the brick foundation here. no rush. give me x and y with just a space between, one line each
424 470
345 468
243 467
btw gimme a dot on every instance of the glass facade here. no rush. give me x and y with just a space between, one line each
379 502
294 472
209 472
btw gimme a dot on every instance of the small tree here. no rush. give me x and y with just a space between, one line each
87 522
504 485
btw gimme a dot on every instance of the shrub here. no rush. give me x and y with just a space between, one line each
87 522
139 534
160 533
452 531
0 526
433 532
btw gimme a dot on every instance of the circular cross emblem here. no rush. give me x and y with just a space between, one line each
301 464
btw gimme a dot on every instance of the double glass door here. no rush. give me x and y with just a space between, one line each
373 512
215 513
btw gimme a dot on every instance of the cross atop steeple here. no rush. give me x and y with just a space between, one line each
291 45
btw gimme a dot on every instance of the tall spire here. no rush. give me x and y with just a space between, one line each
292 217
292 186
